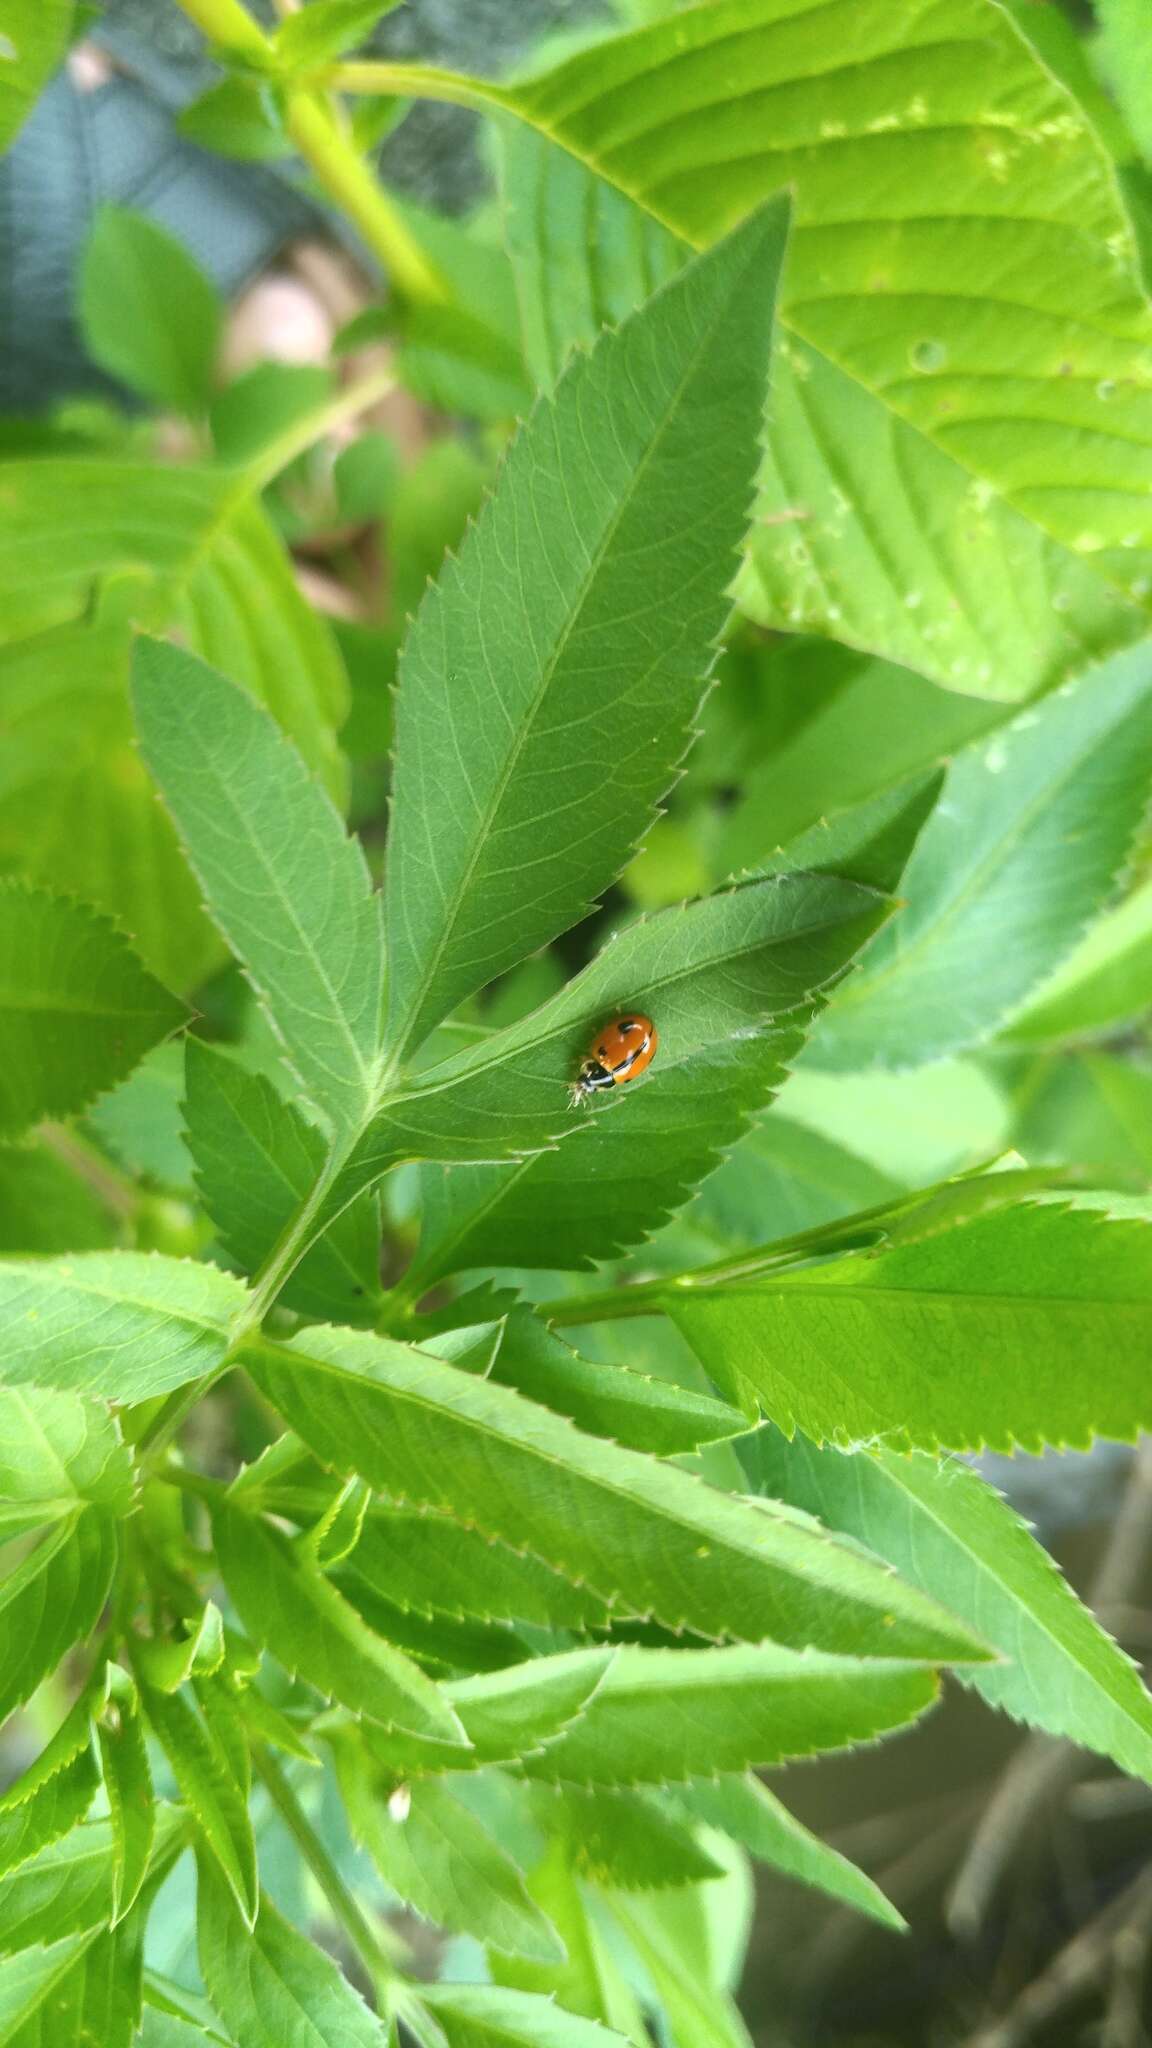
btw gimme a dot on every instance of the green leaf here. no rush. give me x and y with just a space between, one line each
97 2000
58 1451
287 1605
748 1812
70 1740
263 403
440 1860
645 1535
860 730
128 1781
537 808
1104 983
257 1161
183 545
607 1400
123 1325
63 1890
29 1980
871 843
1029 837
974 1337
976 596
591 1983
700 2013
887 224
585 256
323 29
512 1714
60 1801
1090 1111
149 314
482 2016
140 1126
942 1524
780 1179
628 1839
431 1564
461 352
52 1599
659 1715
33 42
45 1206
175 2018
272 1987
203 1773
236 118
1124 48
77 1008
289 891
718 977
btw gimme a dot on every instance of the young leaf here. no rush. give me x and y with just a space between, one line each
434 1565
203 1771
445 1864
483 2016
287 888
257 1161
943 1525
52 1600
1027 842
641 1534
501 732
149 314
714 976
607 1400
128 1781
511 1714
659 1716
975 1337
71 1739
289 1606
123 1325
272 1987
58 1451
49 1812
748 1812
77 1008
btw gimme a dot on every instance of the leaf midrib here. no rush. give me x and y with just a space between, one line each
793 1571
585 585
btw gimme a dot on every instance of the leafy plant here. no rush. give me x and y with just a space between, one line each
331 1567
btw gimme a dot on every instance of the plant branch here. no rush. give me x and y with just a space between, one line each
346 1911
332 156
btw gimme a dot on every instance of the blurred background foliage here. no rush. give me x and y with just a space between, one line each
185 314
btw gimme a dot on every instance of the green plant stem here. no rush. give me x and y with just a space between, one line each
285 1255
348 1914
332 156
312 426
419 81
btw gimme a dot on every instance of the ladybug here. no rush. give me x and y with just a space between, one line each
618 1053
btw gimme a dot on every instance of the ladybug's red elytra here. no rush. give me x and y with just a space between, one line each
619 1051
